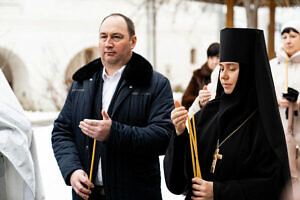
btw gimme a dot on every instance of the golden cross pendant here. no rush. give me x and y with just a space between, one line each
216 156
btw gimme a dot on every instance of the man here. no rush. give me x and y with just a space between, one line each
130 105
201 76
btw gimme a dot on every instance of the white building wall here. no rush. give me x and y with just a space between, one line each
44 36
180 31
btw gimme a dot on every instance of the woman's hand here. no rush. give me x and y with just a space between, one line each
283 102
202 190
204 97
179 116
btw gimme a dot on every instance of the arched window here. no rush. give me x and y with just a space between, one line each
4 65
80 59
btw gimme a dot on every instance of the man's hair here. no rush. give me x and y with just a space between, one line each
288 30
213 49
129 22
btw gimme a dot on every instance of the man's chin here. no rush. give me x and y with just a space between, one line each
110 61
109 58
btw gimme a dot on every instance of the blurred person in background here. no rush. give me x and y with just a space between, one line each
286 74
206 94
201 76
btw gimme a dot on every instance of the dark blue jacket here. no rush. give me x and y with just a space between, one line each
140 132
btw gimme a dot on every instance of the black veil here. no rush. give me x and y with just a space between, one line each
254 90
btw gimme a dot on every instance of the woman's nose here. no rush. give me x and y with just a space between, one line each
288 40
224 75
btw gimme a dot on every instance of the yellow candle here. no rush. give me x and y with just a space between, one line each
287 72
194 148
92 162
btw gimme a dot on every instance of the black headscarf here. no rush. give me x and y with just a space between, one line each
254 91
237 45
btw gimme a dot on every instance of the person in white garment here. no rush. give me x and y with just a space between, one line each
286 73
19 172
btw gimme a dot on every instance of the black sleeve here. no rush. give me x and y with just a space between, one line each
63 141
174 163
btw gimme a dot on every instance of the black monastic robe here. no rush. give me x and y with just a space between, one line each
249 168
254 164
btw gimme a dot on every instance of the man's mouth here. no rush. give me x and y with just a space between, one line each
110 53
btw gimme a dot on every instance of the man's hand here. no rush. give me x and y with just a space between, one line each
202 190
80 181
97 129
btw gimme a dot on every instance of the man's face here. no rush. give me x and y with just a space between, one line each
212 62
291 42
115 44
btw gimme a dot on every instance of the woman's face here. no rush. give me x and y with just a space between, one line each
229 73
212 62
291 42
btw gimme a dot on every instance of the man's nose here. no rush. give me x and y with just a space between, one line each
108 42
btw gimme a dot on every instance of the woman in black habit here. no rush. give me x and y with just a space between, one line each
242 122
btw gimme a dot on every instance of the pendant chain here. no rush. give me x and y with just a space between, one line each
218 145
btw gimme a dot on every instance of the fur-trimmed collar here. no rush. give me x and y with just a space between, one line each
138 71
204 71
281 55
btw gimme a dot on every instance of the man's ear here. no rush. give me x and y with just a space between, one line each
133 41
